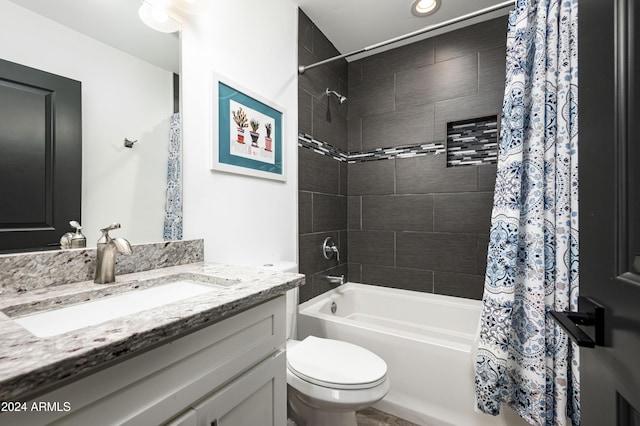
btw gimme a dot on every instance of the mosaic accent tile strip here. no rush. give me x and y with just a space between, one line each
472 142
308 142
323 148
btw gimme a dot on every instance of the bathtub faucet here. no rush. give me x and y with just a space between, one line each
333 279
329 249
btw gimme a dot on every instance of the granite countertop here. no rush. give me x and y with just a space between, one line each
30 364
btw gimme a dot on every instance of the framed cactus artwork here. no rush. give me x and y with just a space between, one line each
247 132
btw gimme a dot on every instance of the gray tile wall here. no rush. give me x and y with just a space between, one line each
322 180
413 223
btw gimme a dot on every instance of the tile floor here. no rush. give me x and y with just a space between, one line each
373 417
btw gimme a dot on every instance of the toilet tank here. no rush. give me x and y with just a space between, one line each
292 295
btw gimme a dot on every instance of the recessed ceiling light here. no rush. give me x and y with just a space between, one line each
424 7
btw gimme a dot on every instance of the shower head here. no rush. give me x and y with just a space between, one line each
341 99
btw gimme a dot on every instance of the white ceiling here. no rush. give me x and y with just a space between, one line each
352 25
114 22
349 24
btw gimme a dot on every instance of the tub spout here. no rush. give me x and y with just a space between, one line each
333 279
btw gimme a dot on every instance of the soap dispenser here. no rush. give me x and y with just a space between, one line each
78 240
73 240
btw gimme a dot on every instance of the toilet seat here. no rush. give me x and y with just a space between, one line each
335 364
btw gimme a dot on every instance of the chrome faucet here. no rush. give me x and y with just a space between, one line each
335 279
329 248
107 248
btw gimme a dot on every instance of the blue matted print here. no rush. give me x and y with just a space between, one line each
250 134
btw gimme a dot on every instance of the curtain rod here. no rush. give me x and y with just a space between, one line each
303 68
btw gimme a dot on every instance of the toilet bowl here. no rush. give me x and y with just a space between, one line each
328 380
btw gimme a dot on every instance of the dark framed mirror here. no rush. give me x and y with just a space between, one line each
128 74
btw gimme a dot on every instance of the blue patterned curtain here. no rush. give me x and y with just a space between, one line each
173 204
524 360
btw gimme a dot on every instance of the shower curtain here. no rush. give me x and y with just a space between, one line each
173 202
524 360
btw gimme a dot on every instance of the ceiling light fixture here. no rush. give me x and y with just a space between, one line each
422 8
158 15
167 16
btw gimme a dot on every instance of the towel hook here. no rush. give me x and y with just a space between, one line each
128 143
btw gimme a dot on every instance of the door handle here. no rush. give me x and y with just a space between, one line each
591 316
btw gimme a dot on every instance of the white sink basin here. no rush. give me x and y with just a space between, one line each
63 320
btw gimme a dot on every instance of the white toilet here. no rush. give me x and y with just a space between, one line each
328 380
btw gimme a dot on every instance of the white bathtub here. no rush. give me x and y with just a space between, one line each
425 339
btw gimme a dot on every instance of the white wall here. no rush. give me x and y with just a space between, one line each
122 96
244 220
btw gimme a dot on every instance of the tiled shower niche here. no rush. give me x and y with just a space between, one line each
472 142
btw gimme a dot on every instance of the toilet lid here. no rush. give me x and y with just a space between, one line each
336 364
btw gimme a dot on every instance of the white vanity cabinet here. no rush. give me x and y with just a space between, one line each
230 373
255 398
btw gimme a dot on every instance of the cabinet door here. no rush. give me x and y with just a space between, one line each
258 397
